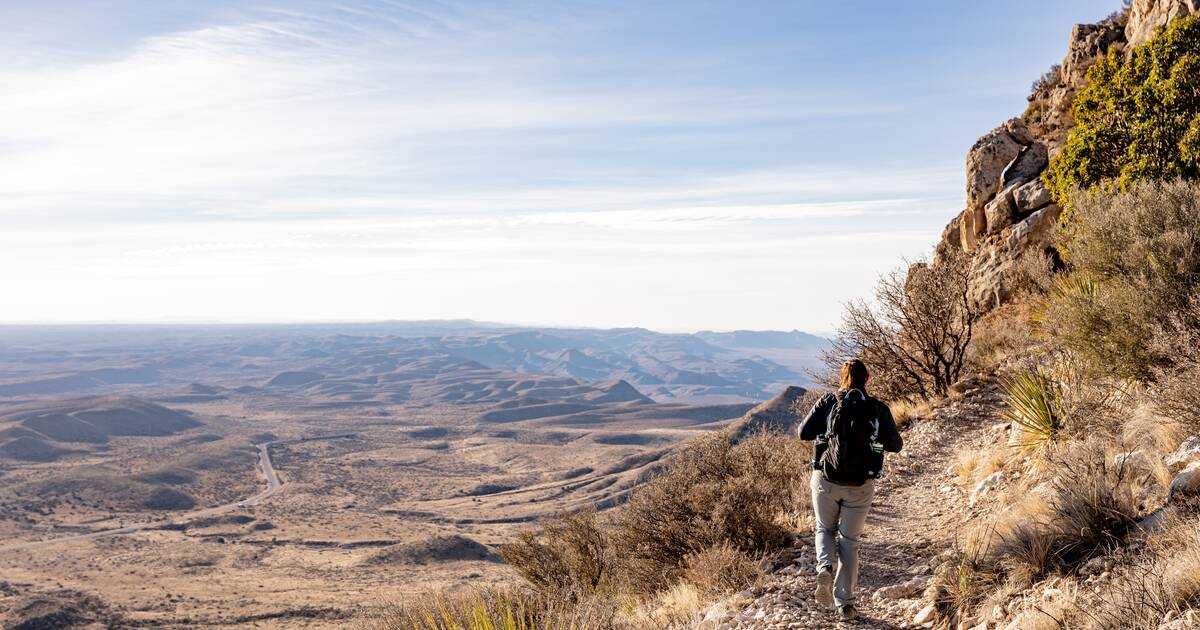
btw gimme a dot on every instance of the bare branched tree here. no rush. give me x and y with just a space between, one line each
914 338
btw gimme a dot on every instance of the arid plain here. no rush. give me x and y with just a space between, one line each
291 476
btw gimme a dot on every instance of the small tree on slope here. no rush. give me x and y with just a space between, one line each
915 338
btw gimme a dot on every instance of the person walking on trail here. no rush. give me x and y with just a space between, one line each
852 430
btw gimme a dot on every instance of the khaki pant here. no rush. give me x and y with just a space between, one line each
841 513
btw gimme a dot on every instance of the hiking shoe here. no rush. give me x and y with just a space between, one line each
847 613
825 586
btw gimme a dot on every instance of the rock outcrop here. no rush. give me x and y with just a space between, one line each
1009 211
1147 16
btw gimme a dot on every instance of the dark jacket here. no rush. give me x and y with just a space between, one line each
814 424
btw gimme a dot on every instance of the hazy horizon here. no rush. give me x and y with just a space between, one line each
674 166
467 323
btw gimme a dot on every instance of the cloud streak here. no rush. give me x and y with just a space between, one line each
435 150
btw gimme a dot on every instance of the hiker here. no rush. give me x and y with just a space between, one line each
852 430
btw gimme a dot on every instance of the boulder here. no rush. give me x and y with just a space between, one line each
1031 196
714 617
1027 166
1186 485
926 616
951 239
1019 132
1188 452
986 162
1147 16
991 269
1000 210
1088 42
1035 230
972 226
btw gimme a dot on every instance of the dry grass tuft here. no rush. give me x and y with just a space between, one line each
493 609
720 569
677 607
1004 332
1162 580
905 411
973 465
1091 510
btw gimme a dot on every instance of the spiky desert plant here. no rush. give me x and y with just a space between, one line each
1034 401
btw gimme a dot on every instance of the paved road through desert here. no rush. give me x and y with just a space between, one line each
264 462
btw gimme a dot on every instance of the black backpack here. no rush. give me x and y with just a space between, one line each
852 453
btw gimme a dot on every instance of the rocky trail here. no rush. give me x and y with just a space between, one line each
918 510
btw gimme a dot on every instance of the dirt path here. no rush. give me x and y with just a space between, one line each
917 512
264 464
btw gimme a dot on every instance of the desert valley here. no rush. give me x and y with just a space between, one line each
224 475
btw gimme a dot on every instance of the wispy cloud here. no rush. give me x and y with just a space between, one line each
430 146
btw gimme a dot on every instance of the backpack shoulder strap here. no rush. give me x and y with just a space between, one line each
837 402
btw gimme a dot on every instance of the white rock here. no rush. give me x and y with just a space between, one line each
986 161
986 485
926 616
1186 484
903 590
1031 196
1187 452
716 612
1146 16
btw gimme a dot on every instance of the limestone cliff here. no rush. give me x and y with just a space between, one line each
1009 211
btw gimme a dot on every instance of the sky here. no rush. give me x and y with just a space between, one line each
677 165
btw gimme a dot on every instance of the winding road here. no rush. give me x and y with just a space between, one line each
274 485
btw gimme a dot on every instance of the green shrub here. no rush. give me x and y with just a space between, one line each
1135 258
1138 118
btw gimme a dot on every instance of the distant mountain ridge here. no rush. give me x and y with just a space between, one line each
708 366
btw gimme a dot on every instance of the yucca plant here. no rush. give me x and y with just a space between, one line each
1034 401
1068 290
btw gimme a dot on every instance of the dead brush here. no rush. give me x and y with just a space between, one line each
573 559
1162 579
715 507
1094 507
712 492
1091 511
